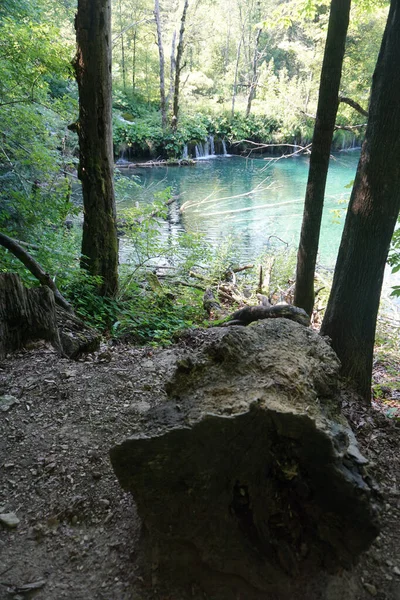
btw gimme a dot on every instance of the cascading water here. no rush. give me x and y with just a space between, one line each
206 149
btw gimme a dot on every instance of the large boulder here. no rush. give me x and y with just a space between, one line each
248 478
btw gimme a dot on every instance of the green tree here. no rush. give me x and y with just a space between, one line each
36 102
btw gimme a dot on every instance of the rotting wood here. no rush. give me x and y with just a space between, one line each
249 314
34 267
31 314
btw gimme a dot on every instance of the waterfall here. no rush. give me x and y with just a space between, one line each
123 155
211 142
185 153
202 149
206 149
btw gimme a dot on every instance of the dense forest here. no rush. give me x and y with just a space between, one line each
243 392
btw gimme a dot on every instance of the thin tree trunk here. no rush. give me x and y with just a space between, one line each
134 62
162 63
320 153
254 78
178 66
122 48
350 318
172 70
236 76
93 74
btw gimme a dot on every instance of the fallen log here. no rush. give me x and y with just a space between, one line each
210 303
249 314
31 314
247 478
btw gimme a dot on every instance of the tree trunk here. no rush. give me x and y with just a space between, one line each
93 74
350 318
134 63
254 78
122 48
33 266
321 147
246 476
172 71
31 314
234 93
162 63
178 66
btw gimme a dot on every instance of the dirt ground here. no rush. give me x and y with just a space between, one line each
78 532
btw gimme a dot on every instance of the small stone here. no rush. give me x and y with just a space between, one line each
74 520
396 571
104 502
7 401
10 520
96 475
67 374
371 589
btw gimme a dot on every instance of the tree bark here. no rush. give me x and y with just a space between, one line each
321 146
162 63
31 314
246 476
33 266
172 71
254 78
93 74
122 48
178 66
234 92
350 318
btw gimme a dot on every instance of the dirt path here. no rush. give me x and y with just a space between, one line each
77 536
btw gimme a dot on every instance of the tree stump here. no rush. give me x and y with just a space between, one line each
248 479
31 314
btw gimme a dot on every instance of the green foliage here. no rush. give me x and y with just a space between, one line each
394 259
146 136
36 103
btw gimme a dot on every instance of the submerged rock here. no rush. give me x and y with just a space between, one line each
248 479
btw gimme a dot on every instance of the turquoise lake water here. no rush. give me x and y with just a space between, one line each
253 199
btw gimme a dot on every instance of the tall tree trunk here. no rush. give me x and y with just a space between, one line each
179 66
134 63
234 93
122 48
254 77
321 147
172 70
350 318
93 74
162 63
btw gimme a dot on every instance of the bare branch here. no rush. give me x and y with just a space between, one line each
354 105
